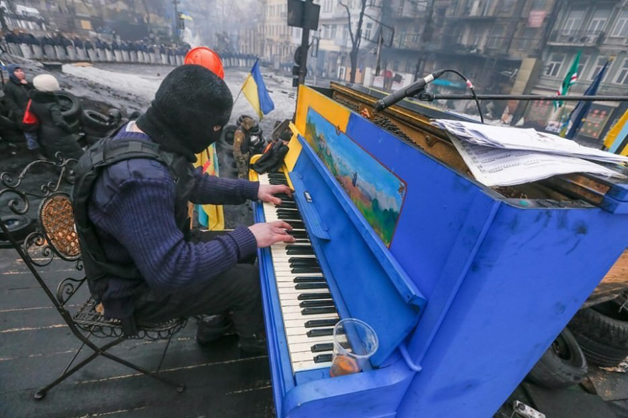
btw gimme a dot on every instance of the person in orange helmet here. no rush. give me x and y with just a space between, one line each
207 58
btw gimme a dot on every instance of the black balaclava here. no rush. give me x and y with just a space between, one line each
188 104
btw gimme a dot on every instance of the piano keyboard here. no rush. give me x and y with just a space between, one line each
307 306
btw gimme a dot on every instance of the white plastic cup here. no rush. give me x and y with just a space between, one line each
354 343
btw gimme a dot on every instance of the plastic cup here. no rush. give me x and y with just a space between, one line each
354 343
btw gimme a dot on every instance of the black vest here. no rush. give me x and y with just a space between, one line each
104 154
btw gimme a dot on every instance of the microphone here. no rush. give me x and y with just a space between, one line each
408 91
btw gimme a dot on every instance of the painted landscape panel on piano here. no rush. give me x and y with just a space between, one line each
376 192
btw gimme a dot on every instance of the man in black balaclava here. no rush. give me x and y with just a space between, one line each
137 210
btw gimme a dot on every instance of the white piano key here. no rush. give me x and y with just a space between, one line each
292 315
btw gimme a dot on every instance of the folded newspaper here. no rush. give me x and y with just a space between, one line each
504 156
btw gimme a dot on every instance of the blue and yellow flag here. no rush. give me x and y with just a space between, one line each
255 91
210 216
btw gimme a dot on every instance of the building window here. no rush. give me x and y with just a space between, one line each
506 5
555 62
327 6
620 29
573 22
599 19
409 66
367 31
599 64
622 76
395 66
527 38
332 33
583 63
538 4
495 38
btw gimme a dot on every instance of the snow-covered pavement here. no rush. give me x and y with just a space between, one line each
142 81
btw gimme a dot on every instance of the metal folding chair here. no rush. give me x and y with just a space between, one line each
55 236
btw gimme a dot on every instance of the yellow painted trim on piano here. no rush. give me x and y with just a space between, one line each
252 173
334 112
294 147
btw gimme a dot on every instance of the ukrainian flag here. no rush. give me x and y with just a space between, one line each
210 216
255 91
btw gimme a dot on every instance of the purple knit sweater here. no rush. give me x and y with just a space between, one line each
132 206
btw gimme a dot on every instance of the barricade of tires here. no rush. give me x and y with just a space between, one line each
602 332
90 125
597 335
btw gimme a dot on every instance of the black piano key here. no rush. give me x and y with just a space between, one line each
303 260
301 241
287 204
299 247
309 286
305 269
277 175
317 323
316 303
287 211
318 311
283 196
323 358
320 332
300 251
296 224
290 214
304 263
278 181
314 296
321 348
306 279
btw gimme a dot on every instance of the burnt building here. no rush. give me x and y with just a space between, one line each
599 31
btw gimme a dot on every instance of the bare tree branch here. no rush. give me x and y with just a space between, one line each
349 18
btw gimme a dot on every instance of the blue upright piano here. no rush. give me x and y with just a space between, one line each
466 286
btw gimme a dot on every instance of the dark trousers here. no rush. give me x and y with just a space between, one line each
235 292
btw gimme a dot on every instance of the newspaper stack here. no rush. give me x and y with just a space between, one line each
504 156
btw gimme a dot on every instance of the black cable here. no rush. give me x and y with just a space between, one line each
470 86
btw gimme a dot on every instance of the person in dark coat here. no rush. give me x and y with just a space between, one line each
55 135
16 98
16 92
174 276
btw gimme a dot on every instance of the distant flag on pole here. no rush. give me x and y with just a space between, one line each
256 93
570 80
185 16
582 108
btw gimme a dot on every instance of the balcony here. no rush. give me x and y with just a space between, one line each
576 37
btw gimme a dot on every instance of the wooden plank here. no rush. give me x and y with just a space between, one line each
614 283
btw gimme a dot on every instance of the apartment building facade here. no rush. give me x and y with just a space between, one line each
599 31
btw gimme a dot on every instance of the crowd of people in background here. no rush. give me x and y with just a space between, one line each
64 48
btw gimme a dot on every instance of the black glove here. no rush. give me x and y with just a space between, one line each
272 158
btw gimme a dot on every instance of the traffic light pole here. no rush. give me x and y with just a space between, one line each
305 43
175 33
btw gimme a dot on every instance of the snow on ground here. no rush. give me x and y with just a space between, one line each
143 86
142 81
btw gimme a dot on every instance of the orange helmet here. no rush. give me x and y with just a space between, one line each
205 57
